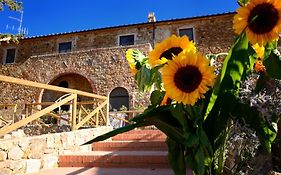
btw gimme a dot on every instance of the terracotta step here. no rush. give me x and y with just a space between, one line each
120 159
141 135
130 145
105 171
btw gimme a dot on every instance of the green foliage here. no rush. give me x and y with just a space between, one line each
147 78
242 2
156 97
273 65
252 117
11 4
176 157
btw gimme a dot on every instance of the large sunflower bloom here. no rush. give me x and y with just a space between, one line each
168 48
261 19
187 77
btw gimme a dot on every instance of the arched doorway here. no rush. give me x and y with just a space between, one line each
70 80
118 99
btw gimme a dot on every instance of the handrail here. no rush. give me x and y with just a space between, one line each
48 87
35 116
69 100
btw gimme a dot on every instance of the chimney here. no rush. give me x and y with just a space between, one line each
151 17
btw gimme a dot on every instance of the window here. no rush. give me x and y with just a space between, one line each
65 47
10 56
126 40
188 32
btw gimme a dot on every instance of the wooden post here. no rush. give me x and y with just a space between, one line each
97 119
15 111
79 113
26 110
107 112
73 114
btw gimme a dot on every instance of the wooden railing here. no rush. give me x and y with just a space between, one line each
123 117
79 114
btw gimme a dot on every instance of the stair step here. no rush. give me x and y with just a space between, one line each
141 135
104 171
130 159
130 145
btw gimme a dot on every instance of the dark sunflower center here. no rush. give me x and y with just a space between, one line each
168 54
263 18
188 78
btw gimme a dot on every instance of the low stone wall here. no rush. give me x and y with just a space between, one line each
30 154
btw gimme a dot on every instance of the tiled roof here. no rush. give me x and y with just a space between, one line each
129 25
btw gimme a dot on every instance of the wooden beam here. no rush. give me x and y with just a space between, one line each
73 114
103 117
107 112
35 116
118 118
57 116
84 109
91 114
118 112
48 87
69 103
7 105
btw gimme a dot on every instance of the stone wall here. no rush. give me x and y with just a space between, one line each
30 154
104 69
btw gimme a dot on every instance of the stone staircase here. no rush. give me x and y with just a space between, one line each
137 152
134 149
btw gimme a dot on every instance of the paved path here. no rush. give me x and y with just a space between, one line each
103 171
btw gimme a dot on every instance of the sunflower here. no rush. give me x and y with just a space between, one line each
131 60
259 67
261 19
187 77
168 48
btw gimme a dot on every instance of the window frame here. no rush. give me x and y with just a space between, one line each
128 34
64 42
5 55
188 27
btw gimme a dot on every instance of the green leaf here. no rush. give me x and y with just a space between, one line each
176 157
234 69
242 2
178 113
192 140
199 158
163 119
261 82
156 97
115 132
205 140
273 65
143 78
156 77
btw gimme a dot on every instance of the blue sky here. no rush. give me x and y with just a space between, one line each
56 16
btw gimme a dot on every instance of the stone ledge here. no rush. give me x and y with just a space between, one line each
30 154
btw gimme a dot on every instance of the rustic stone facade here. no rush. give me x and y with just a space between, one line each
96 60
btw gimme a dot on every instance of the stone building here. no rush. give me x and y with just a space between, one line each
94 60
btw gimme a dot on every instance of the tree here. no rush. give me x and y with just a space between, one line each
12 5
